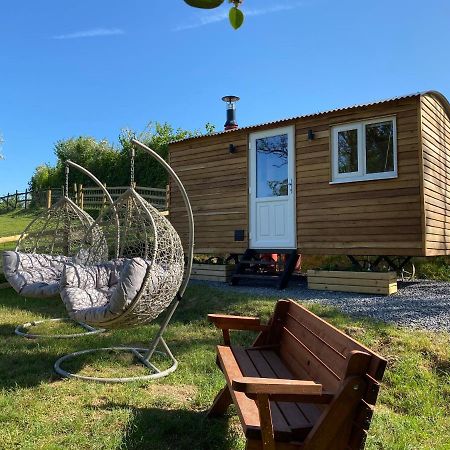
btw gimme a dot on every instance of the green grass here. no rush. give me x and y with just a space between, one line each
14 222
40 411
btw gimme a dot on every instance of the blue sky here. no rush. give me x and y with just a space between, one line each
79 67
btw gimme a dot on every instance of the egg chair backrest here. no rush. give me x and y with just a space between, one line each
59 230
62 229
144 233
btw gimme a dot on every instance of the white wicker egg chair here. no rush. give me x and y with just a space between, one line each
56 237
147 278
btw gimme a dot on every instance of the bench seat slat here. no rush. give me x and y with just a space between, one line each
294 416
282 429
309 411
246 408
297 419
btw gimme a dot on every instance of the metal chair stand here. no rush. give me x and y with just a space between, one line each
22 330
143 355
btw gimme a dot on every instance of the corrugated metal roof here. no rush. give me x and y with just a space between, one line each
264 124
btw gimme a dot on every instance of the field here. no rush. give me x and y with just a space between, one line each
40 411
14 222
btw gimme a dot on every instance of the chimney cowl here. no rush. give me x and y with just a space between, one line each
231 122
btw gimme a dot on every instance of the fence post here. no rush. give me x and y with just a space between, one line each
75 193
17 199
81 196
49 198
26 199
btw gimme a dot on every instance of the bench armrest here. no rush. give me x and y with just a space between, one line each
275 386
236 322
227 323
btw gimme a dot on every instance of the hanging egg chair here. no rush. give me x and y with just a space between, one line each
147 278
56 237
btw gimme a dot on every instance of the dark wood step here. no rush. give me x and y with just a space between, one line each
274 276
249 259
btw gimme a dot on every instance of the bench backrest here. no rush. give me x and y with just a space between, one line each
314 349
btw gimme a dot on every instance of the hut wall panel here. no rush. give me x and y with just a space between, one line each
436 173
380 217
360 218
216 182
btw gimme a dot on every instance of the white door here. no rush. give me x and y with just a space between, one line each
272 189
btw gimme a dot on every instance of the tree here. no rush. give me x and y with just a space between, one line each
157 136
109 164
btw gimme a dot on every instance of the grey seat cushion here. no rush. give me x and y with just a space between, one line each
95 294
34 275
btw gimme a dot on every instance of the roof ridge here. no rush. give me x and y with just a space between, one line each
319 113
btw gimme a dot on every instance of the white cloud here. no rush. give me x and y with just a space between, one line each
223 15
95 32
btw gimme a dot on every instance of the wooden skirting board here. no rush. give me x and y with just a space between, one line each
212 272
384 283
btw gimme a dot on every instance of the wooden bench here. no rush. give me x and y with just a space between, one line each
302 385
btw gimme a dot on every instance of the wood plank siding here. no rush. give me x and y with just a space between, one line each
216 182
436 174
379 217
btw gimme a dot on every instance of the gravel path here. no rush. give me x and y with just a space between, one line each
419 304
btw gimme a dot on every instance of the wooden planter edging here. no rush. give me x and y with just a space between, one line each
212 272
384 283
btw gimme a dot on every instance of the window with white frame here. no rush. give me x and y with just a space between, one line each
364 150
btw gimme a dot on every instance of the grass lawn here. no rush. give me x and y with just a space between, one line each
40 411
14 222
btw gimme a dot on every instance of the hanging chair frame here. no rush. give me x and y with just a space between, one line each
144 355
24 329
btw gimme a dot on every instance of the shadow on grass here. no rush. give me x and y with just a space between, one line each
24 369
47 307
175 429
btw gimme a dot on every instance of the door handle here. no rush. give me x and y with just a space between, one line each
290 186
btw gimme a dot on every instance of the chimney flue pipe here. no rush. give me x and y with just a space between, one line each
231 122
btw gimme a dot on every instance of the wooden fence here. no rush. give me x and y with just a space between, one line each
85 197
93 197
27 199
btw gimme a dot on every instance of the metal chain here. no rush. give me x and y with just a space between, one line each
66 186
132 166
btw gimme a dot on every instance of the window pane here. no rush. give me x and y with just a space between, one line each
380 147
272 166
348 151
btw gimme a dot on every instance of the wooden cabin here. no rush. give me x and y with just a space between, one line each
372 179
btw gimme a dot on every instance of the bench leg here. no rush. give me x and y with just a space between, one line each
265 418
221 403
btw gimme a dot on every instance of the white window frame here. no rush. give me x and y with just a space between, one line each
360 174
